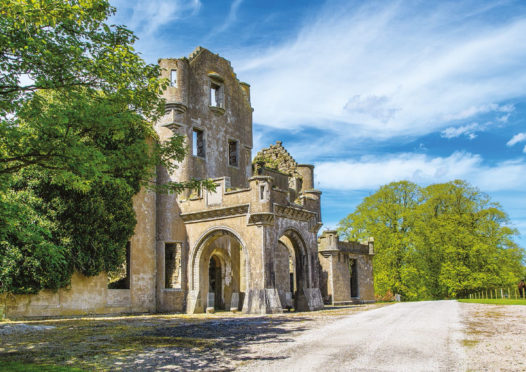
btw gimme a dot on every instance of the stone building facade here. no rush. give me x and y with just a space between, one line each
346 270
250 246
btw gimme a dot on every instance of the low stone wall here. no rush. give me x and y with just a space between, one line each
86 295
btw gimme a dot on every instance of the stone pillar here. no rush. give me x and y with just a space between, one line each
306 172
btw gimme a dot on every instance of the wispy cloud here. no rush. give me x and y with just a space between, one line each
370 172
230 19
145 17
471 130
382 72
467 130
520 137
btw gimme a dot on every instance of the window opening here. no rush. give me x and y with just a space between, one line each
262 192
120 278
170 265
173 78
216 94
354 277
232 153
198 143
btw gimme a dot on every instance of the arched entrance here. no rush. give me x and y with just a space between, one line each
218 266
291 268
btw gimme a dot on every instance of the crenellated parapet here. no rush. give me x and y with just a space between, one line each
261 203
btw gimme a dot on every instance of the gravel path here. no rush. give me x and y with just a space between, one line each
414 336
495 337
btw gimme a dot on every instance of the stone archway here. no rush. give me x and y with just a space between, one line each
292 270
219 251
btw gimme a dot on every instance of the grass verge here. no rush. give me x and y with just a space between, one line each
497 301
31 367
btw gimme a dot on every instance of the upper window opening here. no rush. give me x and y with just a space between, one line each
173 78
216 94
198 143
232 153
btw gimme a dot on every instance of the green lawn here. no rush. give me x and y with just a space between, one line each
31 367
497 301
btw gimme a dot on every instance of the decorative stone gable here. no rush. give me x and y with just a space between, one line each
278 158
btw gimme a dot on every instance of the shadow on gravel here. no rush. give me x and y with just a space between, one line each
135 344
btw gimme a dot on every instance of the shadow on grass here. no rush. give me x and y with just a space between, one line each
219 343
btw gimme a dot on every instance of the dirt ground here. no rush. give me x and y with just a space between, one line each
495 337
222 341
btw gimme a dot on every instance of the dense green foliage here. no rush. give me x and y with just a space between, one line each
76 140
444 240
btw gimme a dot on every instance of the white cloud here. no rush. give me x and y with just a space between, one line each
370 172
146 16
387 72
467 130
520 137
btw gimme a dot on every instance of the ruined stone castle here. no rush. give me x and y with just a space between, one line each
252 245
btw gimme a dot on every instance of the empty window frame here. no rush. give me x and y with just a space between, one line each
198 143
172 263
120 279
263 192
173 78
216 94
233 153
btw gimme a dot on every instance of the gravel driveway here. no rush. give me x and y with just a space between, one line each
413 336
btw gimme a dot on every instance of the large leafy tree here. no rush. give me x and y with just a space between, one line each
439 241
388 216
77 105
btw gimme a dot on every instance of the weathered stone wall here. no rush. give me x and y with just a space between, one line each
341 278
84 296
365 278
325 278
282 270
143 254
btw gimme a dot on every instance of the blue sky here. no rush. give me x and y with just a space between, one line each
369 91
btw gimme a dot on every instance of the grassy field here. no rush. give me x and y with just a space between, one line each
497 301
